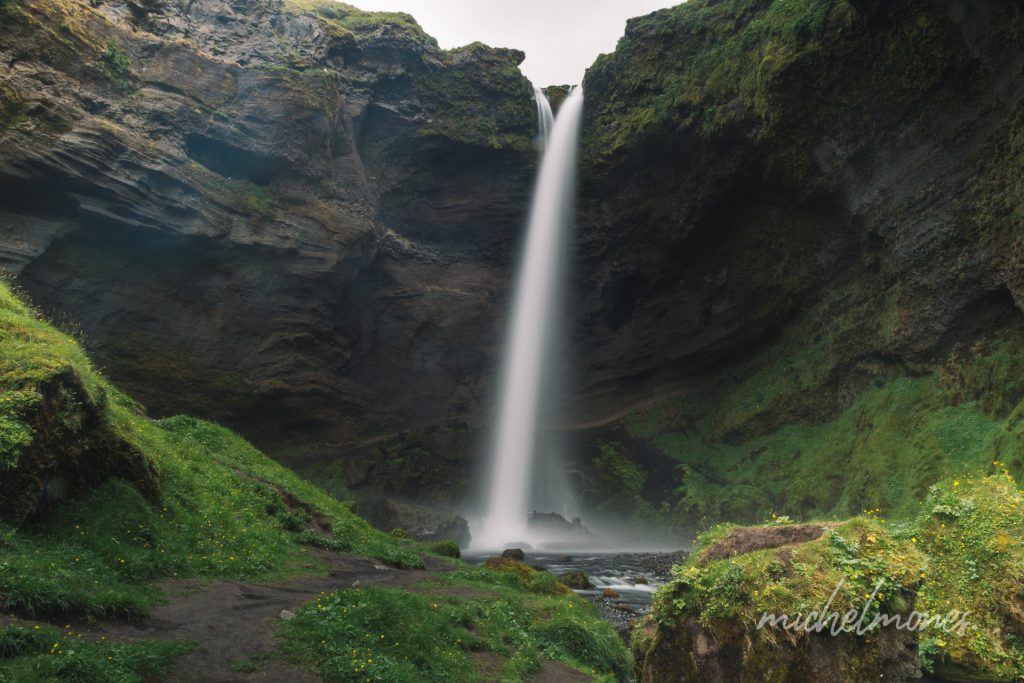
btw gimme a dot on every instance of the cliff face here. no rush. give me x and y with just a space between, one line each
804 219
796 220
291 216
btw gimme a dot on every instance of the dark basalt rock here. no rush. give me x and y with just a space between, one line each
416 521
717 209
302 226
576 580
552 524
291 222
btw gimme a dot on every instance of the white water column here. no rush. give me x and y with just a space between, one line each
529 347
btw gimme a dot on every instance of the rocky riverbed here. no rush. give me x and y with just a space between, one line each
621 585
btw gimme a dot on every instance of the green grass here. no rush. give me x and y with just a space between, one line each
797 430
972 529
252 664
223 510
220 512
46 655
447 548
393 635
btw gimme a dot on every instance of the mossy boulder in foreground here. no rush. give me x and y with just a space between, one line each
951 585
972 530
56 438
705 624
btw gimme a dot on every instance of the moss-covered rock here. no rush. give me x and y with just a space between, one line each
56 437
957 567
972 530
576 580
556 95
710 618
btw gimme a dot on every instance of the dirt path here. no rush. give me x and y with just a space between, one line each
234 623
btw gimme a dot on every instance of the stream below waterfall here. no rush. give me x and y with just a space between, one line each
633 576
618 571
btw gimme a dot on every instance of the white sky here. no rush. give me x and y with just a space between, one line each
561 38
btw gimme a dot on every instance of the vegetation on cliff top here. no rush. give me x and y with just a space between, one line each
345 19
476 94
709 56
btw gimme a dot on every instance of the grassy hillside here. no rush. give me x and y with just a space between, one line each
795 431
147 498
98 502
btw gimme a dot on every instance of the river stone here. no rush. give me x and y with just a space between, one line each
576 580
420 522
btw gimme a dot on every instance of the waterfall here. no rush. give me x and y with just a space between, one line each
545 118
526 383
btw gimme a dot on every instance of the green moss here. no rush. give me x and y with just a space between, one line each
962 556
799 429
329 476
858 554
477 95
556 95
473 94
972 529
996 194
12 107
738 576
258 201
619 478
696 60
15 435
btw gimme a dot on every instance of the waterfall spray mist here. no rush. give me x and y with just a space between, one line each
525 387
